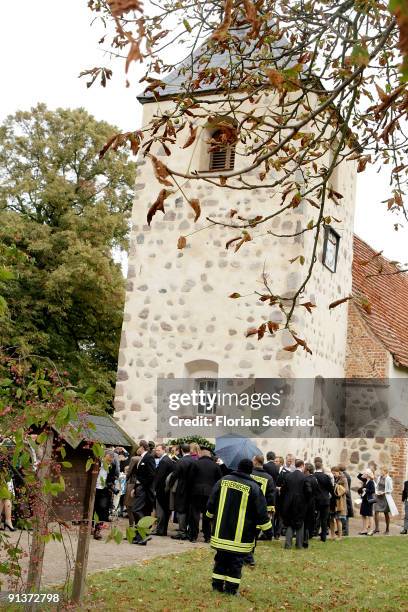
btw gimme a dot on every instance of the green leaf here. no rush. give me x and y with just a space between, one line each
66 464
187 25
90 392
130 534
89 464
98 450
6 275
360 56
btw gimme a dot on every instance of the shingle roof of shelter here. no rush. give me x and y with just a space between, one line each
102 429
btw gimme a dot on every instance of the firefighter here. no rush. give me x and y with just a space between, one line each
268 489
265 481
237 507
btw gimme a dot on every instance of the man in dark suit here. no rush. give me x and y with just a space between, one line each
310 515
324 493
204 473
143 491
181 497
404 530
271 467
295 491
164 468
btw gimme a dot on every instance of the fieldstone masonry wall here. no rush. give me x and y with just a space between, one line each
177 308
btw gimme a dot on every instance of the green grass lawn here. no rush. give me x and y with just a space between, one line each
357 574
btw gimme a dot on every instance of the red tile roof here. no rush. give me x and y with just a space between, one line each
382 299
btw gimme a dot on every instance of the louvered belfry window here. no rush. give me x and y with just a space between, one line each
222 155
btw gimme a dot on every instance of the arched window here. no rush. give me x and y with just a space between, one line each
204 373
222 149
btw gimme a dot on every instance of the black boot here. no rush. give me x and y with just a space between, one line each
218 585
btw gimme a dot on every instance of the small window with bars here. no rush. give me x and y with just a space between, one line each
222 154
207 386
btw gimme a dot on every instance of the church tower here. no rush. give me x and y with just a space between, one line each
179 321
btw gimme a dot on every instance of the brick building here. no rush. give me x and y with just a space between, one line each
377 348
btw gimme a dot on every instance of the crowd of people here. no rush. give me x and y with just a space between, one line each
265 498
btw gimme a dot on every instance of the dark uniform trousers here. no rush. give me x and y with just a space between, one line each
227 571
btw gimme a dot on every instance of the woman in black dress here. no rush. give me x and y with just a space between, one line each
367 493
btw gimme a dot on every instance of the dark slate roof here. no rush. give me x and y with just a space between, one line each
102 429
177 82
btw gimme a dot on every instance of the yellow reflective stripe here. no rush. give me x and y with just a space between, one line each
220 511
265 526
241 517
209 515
227 578
234 580
232 546
262 481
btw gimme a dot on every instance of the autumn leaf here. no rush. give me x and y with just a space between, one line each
382 95
181 242
291 349
119 140
296 200
251 331
303 344
121 7
276 78
261 331
366 306
158 204
338 302
235 295
252 18
272 327
398 198
308 306
246 238
161 171
191 138
228 244
195 205
362 163
400 10
221 32
134 55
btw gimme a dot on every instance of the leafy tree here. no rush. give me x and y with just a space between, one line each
336 76
63 212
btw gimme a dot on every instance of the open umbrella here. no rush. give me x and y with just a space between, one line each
232 448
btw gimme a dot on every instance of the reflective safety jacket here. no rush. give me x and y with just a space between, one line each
267 485
238 508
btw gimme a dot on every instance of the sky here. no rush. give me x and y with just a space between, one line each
45 44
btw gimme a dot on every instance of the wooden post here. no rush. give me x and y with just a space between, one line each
40 521
84 536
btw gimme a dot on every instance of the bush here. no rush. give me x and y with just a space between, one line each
202 442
